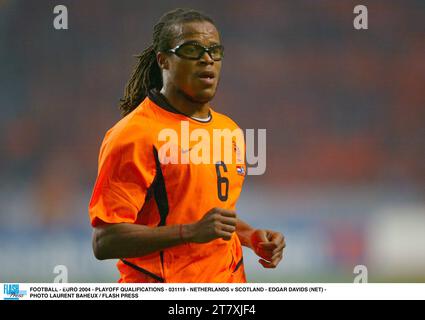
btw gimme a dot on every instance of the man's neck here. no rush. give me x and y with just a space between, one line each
185 105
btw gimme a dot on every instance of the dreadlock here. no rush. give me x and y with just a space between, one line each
147 74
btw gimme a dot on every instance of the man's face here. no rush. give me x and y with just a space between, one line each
196 79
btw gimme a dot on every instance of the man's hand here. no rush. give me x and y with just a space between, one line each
269 246
216 223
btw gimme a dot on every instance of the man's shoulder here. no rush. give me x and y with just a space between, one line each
135 127
224 120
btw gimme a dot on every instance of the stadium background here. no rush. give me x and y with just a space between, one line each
344 112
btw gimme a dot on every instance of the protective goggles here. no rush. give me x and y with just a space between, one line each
194 51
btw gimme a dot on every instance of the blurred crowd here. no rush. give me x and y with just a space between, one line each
340 106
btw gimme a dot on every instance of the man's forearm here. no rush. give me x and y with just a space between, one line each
124 240
244 232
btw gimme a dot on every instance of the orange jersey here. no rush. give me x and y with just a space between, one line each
136 185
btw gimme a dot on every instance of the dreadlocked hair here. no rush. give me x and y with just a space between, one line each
147 73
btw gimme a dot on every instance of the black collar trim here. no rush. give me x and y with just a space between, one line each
160 100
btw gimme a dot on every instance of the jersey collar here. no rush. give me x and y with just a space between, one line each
161 101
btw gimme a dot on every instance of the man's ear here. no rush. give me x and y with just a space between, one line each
162 60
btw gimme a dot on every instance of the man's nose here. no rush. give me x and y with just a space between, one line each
206 58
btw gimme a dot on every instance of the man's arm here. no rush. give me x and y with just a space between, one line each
124 240
267 244
245 232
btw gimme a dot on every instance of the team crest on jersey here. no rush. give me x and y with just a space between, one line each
240 170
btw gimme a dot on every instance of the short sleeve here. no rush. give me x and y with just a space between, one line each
126 171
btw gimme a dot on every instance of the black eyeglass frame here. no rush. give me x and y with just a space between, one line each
205 49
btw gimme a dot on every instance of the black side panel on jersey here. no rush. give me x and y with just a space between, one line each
159 191
144 271
160 194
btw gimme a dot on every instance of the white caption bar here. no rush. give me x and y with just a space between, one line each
258 291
